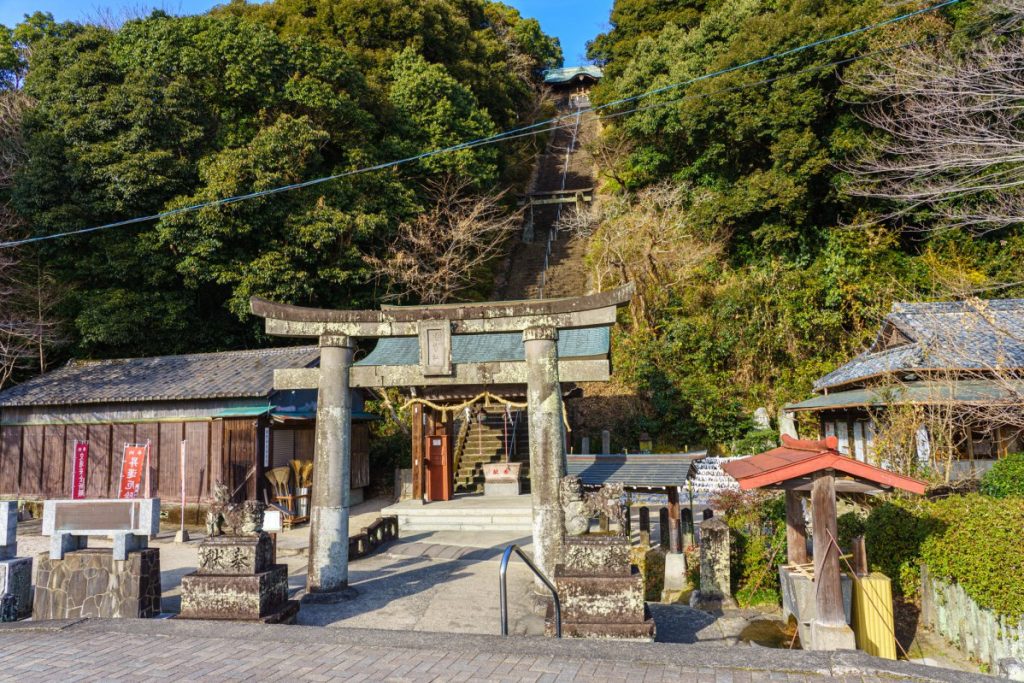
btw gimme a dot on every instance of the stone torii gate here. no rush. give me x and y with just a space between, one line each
538 322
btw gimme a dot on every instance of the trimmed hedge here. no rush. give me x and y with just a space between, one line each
972 540
1006 478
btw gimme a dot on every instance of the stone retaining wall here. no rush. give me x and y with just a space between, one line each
977 632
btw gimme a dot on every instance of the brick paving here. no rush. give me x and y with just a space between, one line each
210 651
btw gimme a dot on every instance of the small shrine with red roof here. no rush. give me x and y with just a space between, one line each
818 471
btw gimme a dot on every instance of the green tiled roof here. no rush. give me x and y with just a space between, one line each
489 348
568 73
917 392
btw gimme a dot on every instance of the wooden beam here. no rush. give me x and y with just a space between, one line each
828 591
796 529
504 372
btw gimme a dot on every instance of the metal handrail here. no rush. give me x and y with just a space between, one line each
504 589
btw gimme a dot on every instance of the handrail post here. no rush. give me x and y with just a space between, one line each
503 588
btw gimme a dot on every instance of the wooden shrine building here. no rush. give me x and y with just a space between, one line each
223 405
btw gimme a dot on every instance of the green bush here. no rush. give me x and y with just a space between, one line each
1006 478
971 540
851 525
976 542
757 525
893 534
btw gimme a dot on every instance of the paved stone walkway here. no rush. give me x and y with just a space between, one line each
211 651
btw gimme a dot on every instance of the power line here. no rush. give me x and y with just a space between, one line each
522 131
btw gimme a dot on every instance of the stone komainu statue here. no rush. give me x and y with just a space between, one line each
579 507
243 519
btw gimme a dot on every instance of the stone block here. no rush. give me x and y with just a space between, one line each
16 588
601 599
91 583
830 637
234 596
798 600
596 556
1011 667
8 529
236 555
675 572
502 489
643 630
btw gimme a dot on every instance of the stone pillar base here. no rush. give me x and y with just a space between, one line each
15 588
675 572
252 597
831 637
708 601
91 583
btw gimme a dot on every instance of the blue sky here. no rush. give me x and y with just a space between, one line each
574 22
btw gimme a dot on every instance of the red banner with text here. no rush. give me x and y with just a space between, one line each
133 464
80 467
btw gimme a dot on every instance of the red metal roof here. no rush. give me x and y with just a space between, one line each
798 458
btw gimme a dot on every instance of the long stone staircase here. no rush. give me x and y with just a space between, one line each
537 269
484 442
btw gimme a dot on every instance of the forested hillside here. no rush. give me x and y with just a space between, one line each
164 112
765 247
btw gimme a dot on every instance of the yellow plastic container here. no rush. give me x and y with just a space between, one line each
873 622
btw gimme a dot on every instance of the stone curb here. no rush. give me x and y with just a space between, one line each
698 656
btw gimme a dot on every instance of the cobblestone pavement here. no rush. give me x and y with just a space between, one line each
193 650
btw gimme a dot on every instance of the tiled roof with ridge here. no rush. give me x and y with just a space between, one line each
985 335
228 374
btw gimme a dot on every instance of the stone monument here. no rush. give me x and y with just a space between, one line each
601 591
15 572
237 578
76 581
715 591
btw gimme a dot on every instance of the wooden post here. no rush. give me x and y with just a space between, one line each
417 451
796 529
860 556
828 591
675 536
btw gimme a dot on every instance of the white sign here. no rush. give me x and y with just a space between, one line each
272 521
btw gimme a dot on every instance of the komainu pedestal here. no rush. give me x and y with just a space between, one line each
237 580
601 592
15 572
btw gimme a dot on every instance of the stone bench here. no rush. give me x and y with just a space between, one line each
69 523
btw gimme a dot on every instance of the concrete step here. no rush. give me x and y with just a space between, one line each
476 514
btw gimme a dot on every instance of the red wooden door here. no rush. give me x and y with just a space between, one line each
439 468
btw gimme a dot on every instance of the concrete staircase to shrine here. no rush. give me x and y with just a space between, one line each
486 442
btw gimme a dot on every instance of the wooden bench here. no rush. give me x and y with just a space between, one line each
69 523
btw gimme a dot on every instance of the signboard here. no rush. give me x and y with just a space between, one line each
133 464
272 521
79 469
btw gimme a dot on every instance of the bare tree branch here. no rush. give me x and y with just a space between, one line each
442 252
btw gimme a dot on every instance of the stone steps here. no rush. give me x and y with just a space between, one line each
490 515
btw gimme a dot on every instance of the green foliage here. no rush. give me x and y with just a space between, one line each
757 522
972 540
893 536
167 112
976 543
850 525
1006 478
795 290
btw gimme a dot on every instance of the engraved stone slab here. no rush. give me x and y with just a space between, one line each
235 555
16 588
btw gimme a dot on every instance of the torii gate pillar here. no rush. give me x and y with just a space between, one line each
547 444
327 571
